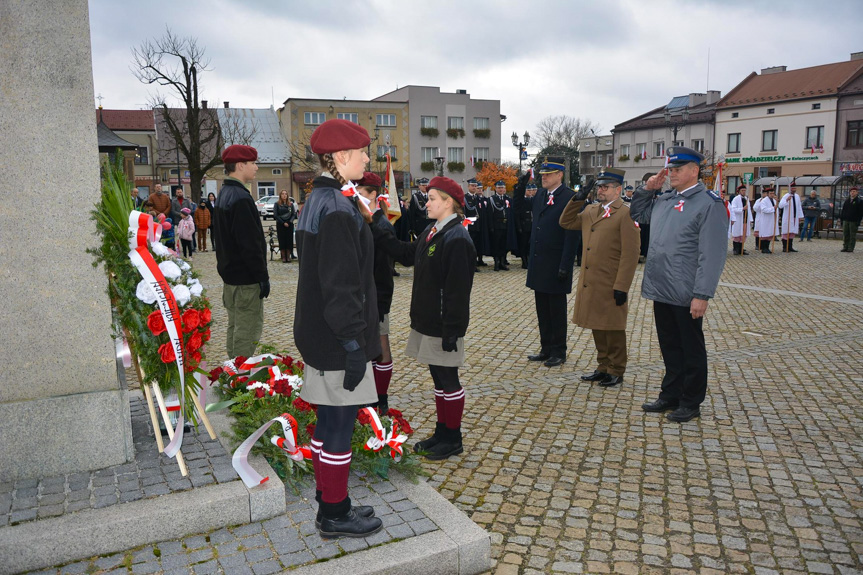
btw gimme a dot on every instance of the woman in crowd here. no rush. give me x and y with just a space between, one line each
440 311
211 205
202 219
336 319
283 212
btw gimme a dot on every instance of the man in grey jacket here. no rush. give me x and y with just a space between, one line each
688 245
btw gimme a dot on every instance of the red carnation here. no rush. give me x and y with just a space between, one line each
214 375
240 360
205 335
363 417
194 343
156 323
166 352
191 320
242 379
302 405
206 316
196 356
301 365
259 392
281 387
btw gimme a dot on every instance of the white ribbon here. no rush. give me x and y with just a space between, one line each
240 459
383 437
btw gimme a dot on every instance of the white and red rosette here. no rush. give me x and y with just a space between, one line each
288 444
384 437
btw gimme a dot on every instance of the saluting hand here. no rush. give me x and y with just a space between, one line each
655 182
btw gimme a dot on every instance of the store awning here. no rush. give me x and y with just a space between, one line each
799 180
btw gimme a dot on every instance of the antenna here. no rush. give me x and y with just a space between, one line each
708 69
273 95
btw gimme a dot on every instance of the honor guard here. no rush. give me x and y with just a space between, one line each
417 209
523 223
473 208
501 211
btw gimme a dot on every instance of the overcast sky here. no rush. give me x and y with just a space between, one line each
605 61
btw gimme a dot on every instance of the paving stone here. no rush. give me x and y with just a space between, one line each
266 567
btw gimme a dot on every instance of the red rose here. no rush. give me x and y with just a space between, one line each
206 316
156 323
191 320
240 360
302 405
281 387
166 352
301 365
214 375
363 417
194 343
196 357
205 335
259 392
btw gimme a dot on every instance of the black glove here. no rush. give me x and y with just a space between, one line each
355 364
561 275
265 288
619 297
581 194
449 343
524 179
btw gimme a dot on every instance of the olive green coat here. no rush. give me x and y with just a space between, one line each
610 255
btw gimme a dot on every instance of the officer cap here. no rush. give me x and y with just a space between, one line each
610 176
531 186
472 181
500 183
680 155
422 182
552 165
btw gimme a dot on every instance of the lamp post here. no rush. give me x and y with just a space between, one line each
521 147
676 122
372 141
438 163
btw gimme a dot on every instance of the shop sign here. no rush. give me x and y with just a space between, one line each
770 159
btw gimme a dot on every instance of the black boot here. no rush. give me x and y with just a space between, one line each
362 510
342 520
784 246
496 265
426 444
736 248
791 245
524 263
448 446
481 263
504 265
383 403
765 247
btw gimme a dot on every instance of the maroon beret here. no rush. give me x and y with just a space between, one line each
370 179
239 153
337 135
449 187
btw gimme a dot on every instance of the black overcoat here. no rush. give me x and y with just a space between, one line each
551 247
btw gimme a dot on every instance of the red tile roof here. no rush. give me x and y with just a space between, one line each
128 119
814 82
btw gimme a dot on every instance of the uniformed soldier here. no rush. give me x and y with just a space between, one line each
500 209
417 209
688 246
611 247
473 208
523 222
627 194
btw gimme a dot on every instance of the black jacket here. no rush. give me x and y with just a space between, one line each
336 298
388 248
852 211
443 278
283 213
242 255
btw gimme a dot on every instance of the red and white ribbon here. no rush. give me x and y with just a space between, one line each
251 363
240 459
143 230
469 221
123 351
679 206
607 213
550 201
382 437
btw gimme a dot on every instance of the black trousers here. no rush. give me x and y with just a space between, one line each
681 340
645 238
499 243
551 316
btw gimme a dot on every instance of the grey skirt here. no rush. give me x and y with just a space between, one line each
326 388
427 349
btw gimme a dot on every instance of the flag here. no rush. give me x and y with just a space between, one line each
394 210
812 150
644 154
472 162
717 182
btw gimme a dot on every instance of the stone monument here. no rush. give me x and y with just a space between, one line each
63 407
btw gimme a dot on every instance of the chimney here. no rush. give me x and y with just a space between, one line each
856 55
461 91
773 70
227 104
696 99
713 96
204 104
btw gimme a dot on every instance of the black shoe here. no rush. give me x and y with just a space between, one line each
595 376
554 361
481 264
541 356
611 380
745 253
361 510
449 445
496 266
791 246
349 525
396 274
683 414
659 405
843 250
430 442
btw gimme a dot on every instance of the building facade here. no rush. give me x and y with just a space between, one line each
848 158
594 153
139 128
465 132
640 143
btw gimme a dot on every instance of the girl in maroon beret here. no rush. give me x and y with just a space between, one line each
440 311
336 320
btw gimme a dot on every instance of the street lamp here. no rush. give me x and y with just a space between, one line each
676 122
521 146
438 163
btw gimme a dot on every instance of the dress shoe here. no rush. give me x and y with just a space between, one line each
843 250
595 376
611 380
659 405
481 264
538 357
683 414
361 510
554 361
349 525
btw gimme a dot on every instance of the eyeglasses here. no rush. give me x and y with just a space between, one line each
604 187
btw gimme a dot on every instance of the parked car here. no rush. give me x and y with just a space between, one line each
265 206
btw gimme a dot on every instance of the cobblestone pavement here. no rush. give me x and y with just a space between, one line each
572 478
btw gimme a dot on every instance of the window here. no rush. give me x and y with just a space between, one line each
277 171
266 189
384 150
814 136
677 143
480 123
428 122
816 106
854 139
429 154
698 146
314 118
641 150
455 155
771 110
455 123
349 116
624 150
734 143
733 182
142 156
658 149
480 154
387 120
768 140
763 172
735 115
593 160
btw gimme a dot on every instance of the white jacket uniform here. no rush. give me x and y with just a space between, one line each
766 223
739 212
792 213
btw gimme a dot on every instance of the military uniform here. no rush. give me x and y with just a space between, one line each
500 212
611 248
523 224
474 206
417 210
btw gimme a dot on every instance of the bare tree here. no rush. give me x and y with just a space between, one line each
176 63
235 130
561 131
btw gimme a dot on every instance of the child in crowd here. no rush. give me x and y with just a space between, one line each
186 231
